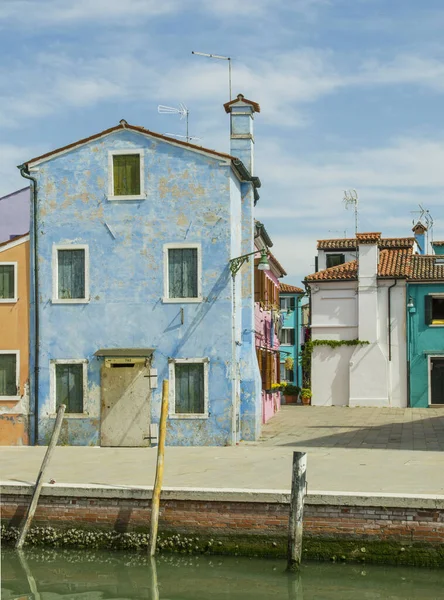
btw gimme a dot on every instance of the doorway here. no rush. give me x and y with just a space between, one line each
125 402
437 380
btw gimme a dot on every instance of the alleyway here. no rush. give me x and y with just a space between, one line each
364 428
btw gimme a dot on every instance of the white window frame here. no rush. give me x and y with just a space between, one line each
55 274
432 324
286 343
15 299
166 282
172 377
17 374
53 388
111 154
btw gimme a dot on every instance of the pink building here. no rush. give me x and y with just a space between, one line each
267 324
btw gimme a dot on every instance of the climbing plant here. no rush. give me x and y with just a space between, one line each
307 351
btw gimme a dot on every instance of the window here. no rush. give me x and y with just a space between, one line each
269 367
182 273
434 310
126 175
333 260
8 282
71 277
69 384
287 336
189 389
287 303
9 374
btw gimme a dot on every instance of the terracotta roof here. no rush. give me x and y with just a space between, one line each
426 268
437 243
351 243
14 239
393 262
285 288
368 238
241 98
277 263
124 125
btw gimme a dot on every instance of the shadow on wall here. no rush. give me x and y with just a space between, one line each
424 434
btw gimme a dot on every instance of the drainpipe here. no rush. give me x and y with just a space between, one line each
233 366
389 312
24 172
409 341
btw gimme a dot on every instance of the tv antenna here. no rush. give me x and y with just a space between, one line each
218 57
182 110
351 199
424 216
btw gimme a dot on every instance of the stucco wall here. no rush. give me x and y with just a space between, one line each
14 329
189 199
424 341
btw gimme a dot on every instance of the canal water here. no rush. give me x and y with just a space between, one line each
42 574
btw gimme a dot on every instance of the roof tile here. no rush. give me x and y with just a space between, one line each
285 288
351 243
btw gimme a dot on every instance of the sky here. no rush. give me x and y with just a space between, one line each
351 95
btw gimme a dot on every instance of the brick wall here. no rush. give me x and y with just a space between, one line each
199 517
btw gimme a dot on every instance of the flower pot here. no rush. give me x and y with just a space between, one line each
306 401
290 399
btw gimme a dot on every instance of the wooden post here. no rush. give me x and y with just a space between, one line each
159 470
298 485
154 586
39 482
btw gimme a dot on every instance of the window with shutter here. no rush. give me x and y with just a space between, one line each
434 309
189 388
183 273
71 274
7 282
126 173
69 386
8 375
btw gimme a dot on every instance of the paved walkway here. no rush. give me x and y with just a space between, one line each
364 428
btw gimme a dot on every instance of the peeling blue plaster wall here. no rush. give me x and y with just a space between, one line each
190 198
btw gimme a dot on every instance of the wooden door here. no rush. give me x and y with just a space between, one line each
125 415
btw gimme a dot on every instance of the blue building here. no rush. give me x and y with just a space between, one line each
290 298
131 240
425 329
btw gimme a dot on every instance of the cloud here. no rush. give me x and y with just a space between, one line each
10 156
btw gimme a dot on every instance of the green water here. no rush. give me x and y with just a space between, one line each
43 574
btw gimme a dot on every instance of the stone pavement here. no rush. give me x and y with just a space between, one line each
343 427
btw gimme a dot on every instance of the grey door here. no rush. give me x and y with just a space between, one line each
125 415
437 380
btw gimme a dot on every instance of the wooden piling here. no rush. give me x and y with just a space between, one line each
159 470
295 529
41 475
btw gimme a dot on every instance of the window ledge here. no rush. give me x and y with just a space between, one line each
8 300
71 301
135 197
10 398
188 416
71 415
181 300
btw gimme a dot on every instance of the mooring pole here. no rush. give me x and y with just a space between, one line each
39 482
159 470
298 487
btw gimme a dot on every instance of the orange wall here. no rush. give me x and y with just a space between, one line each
14 318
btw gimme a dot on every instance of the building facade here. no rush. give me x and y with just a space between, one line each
292 331
134 236
360 306
14 338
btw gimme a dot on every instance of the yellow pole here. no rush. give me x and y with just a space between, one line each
159 470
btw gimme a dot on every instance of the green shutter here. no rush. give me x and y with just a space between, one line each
182 273
8 375
69 387
126 168
189 388
428 300
6 282
71 274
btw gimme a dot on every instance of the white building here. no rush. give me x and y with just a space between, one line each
362 297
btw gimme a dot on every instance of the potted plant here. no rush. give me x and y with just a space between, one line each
291 393
306 396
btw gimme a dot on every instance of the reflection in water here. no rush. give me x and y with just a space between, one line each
44 574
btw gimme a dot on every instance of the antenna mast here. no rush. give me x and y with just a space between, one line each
171 110
424 215
217 56
351 199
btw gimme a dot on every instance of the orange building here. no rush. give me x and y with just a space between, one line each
14 340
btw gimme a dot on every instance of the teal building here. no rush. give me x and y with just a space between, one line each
425 329
291 332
